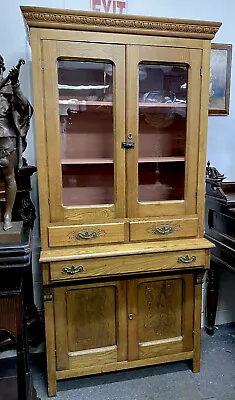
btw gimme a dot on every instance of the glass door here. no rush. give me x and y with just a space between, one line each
163 93
85 125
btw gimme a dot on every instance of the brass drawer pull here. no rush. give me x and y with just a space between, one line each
186 259
164 230
86 235
130 316
72 270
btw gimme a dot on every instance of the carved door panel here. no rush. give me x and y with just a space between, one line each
160 316
90 325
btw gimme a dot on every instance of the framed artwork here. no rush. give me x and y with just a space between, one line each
220 73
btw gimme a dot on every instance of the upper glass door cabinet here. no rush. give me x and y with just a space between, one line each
85 130
163 99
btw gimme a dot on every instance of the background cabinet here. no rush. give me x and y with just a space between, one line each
121 108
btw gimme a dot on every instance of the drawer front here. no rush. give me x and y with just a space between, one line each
163 229
80 235
119 265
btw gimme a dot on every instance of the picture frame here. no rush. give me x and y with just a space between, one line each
220 76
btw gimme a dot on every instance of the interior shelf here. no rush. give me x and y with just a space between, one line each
110 103
85 102
160 159
70 161
79 161
162 105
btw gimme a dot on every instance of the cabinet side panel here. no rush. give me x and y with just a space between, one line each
52 128
193 129
42 161
203 135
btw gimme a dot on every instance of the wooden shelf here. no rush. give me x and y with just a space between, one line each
160 159
79 161
162 105
96 103
99 103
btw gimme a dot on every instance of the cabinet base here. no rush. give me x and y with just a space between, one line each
112 367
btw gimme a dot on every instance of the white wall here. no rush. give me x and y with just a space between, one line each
221 135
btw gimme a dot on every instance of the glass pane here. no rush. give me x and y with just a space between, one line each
86 132
162 131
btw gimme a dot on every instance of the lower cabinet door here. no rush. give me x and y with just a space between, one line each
91 325
160 316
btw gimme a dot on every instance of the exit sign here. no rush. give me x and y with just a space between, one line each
109 6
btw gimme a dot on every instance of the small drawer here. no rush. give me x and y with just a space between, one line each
127 264
163 229
80 235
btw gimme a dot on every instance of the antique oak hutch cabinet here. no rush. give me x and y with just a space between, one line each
121 107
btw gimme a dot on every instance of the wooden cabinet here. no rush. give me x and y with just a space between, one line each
121 107
90 322
101 326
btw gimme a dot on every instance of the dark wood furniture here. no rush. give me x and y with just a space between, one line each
16 295
220 230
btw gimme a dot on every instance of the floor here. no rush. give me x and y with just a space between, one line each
216 381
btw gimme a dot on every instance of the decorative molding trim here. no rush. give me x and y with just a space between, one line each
80 20
200 278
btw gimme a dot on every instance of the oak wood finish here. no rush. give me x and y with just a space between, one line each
163 229
202 136
122 265
159 310
79 20
122 280
126 249
52 51
42 157
123 365
78 235
90 325
192 58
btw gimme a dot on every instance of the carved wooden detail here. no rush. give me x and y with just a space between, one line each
78 20
200 276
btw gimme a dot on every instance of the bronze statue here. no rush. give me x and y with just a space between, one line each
15 114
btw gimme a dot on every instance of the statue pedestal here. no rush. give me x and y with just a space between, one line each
12 235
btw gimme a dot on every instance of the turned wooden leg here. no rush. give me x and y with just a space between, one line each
211 300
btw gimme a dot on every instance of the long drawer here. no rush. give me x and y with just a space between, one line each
119 265
164 229
80 235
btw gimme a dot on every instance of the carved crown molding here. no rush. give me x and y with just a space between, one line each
80 20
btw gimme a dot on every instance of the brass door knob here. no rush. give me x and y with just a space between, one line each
130 316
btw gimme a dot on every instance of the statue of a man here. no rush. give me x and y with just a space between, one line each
15 114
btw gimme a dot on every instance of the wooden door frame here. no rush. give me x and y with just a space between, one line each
61 334
52 50
193 58
187 312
